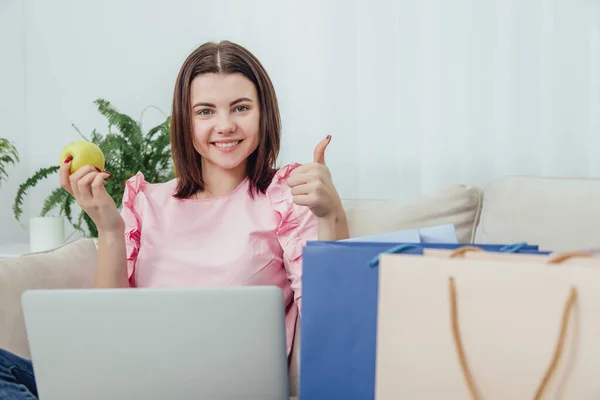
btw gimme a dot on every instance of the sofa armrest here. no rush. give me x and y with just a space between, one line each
70 266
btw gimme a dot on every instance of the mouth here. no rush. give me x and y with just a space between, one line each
226 144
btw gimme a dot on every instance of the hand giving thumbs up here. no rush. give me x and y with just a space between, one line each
312 185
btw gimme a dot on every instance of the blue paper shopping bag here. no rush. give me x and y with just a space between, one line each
339 315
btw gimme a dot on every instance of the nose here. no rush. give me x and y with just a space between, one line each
225 125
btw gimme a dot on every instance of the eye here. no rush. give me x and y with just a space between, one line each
241 108
204 112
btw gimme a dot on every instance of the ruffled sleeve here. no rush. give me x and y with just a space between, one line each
131 212
297 225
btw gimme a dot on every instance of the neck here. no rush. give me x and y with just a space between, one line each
220 182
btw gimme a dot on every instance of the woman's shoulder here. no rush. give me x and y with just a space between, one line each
137 185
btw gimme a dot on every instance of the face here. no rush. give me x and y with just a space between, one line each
226 119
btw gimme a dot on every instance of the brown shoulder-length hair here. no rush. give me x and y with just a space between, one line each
223 58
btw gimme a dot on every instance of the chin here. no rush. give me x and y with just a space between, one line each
228 161
231 157
230 165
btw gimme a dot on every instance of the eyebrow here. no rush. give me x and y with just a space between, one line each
233 103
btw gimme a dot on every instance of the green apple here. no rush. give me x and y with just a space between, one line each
83 153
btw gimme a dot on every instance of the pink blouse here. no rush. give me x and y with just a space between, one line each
224 241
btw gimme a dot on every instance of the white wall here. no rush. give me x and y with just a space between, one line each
418 94
12 110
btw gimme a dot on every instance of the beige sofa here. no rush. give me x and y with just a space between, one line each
557 214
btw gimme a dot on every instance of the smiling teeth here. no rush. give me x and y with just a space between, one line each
231 144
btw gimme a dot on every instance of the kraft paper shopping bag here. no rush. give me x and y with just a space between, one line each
451 328
339 315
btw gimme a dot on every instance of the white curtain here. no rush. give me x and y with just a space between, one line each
424 94
418 94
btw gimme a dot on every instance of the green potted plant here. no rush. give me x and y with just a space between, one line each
127 150
8 155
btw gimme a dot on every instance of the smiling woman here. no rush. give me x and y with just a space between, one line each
224 95
230 217
226 132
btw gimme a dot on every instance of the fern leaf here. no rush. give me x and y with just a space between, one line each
42 173
158 155
77 225
161 128
130 129
8 150
66 206
8 155
96 137
8 159
56 198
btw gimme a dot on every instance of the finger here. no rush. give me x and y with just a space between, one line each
301 169
64 173
302 189
84 186
76 176
81 172
98 190
319 154
298 179
303 199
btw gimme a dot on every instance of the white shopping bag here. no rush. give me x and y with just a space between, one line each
452 328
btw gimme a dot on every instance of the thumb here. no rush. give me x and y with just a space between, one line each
319 155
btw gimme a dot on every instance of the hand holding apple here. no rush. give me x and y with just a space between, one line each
81 175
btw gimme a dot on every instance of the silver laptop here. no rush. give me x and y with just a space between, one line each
158 344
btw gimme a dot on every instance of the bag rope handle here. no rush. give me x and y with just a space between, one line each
509 248
557 259
466 249
461 352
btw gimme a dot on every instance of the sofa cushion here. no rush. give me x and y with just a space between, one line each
558 214
459 205
70 266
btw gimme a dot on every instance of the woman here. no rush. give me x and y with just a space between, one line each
229 218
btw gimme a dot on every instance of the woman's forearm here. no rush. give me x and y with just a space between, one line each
334 227
111 270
